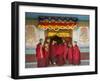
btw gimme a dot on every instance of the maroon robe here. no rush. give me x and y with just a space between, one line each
76 55
70 55
40 56
52 53
60 55
65 48
46 57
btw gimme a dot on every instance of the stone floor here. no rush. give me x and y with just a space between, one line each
34 64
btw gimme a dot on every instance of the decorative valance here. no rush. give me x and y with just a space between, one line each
56 23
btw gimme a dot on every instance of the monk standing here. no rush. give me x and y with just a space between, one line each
60 55
70 53
53 52
76 54
46 54
39 54
65 48
48 41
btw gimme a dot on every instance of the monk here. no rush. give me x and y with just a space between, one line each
48 41
60 55
53 52
65 48
76 54
70 53
39 54
46 54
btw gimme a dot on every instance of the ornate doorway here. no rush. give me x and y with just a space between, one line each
64 34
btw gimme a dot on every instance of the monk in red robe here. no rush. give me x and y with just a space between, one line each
76 54
60 55
49 45
46 54
70 53
53 52
40 54
65 48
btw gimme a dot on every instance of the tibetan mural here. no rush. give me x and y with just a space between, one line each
51 38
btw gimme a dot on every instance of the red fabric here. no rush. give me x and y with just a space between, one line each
40 56
59 50
57 23
60 60
60 55
76 55
65 48
46 57
41 63
53 49
52 53
38 51
70 55
46 53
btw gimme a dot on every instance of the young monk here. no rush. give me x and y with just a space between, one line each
76 54
60 55
46 54
48 41
65 48
39 54
70 53
53 52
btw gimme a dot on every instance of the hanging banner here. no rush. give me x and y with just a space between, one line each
56 23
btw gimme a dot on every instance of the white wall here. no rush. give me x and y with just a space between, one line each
5 40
